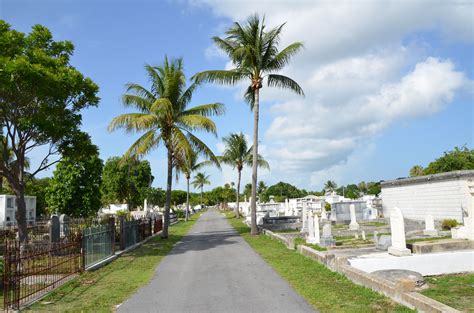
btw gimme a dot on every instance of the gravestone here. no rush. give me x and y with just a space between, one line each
64 222
383 242
324 216
313 229
54 229
429 226
304 227
353 225
397 227
363 235
327 240
356 236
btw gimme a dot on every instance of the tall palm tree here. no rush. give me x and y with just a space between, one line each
199 181
237 154
261 188
164 117
330 186
255 55
188 164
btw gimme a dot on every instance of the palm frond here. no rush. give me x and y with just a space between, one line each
223 77
196 122
283 57
284 82
133 122
206 110
144 145
139 102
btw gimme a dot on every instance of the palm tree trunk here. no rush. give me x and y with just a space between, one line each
169 182
253 203
187 199
237 213
201 197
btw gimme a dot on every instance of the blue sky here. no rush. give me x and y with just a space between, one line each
381 96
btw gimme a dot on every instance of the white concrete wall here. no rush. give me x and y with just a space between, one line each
442 199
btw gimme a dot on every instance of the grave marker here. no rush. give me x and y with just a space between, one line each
397 226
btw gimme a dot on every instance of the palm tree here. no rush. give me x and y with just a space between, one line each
255 55
416 170
164 117
199 181
237 154
261 188
187 165
330 186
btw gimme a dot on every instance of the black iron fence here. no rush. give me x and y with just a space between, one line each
59 252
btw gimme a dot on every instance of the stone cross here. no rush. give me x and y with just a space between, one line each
353 225
429 226
54 229
397 227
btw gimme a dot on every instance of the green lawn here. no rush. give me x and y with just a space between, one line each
456 290
325 290
102 290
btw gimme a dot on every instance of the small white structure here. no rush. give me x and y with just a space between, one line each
114 208
429 226
443 195
353 225
397 226
8 210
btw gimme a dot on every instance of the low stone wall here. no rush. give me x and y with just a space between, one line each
288 242
441 246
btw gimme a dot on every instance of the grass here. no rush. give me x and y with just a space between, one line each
301 241
375 224
325 290
103 289
431 239
284 231
456 290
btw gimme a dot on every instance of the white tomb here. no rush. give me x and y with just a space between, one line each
397 226
353 225
429 226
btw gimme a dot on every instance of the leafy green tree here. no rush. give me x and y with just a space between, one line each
330 186
164 117
373 188
350 191
188 164
41 97
178 197
284 190
155 196
200 180
255 55
416 170
237 154
39 189
456 160
75 187
126 180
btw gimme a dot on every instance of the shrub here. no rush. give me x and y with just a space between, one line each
447 224
124 213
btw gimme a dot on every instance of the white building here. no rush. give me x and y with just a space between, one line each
8 209
443 195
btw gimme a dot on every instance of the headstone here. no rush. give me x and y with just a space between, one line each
383 242
304 227
467 230
313 229
353 225
64 222
397 227
363 235
323 212
327 240
356 236
54 229
429 226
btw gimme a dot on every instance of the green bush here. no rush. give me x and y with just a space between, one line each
449 223
125 213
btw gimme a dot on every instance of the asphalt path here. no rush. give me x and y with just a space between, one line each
213 269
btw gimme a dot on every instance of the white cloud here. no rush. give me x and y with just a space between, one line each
365 66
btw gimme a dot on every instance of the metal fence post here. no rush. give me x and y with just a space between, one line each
122 232
112 233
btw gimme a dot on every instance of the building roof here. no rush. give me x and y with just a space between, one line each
454 175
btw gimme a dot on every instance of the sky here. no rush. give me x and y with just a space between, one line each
388 84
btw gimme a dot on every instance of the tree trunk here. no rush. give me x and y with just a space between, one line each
237 211
253 203
187 199
20 214
201 197
164 233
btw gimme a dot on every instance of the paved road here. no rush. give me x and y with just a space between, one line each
214 270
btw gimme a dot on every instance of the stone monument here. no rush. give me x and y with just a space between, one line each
313 229
397 226
327 240
429 226
353 225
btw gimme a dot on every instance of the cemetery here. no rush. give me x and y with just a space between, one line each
387 252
